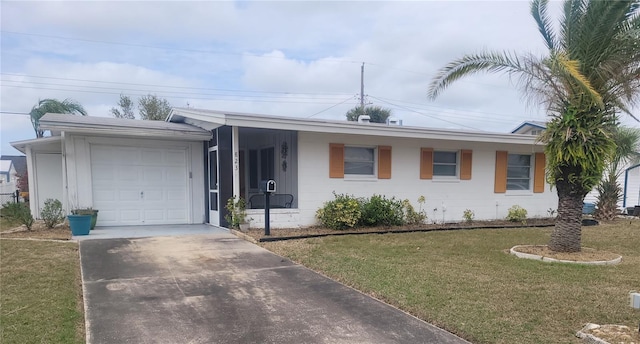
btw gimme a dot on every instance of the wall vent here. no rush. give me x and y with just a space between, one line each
364 119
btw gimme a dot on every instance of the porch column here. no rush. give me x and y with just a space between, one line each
235 149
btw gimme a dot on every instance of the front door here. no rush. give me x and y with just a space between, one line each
214 204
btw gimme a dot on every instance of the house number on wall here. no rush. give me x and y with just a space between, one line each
236 162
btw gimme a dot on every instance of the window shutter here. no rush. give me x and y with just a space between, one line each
465 164
336 160
500 185
384 162
538 173
426 163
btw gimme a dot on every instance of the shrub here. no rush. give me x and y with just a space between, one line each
411 216
517 214
468 215
381 211
19 212
52 212
237 211
341 213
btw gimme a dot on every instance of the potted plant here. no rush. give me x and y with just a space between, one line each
80 224
87 211
237 213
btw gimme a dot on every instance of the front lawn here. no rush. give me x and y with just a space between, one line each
465 282
40 292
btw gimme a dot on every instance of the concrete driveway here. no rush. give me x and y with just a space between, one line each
216 288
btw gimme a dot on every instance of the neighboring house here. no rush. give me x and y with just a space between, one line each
530 128
8 180
19 162
184 170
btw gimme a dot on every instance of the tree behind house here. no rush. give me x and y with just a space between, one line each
377 114
153 108
150 107
126 108
49 105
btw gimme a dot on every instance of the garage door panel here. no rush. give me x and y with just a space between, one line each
152 175
175 158
176 195
140 185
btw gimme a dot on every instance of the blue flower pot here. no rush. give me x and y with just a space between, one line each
80 224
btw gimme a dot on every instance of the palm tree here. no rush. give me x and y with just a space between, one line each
44 106
590 74
378 114
609 190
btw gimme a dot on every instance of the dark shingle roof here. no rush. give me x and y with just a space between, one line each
19 162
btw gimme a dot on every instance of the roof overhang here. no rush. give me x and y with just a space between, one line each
105 126
45 144
205 118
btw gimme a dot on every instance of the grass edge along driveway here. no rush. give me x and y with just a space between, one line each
40 292
466 283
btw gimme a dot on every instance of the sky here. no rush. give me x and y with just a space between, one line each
281 58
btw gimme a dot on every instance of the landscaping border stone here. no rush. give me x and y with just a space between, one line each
553 260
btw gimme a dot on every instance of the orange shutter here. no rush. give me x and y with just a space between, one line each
336 160
500 185
538 173
465 164
426 163
384 162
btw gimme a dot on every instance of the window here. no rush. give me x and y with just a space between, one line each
518 172
359 161
267 163
445 163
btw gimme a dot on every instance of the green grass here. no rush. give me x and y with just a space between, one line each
465 282
40 293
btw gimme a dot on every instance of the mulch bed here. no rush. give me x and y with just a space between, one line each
38 231
279 234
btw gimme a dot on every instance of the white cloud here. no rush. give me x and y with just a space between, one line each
312 49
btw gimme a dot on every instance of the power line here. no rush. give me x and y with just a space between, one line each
214 52
172 92
162 86
331 107
168 96
426 115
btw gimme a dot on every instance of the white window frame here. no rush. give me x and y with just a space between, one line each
457 174
361 176
531 170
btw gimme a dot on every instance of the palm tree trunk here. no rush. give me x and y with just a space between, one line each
566 235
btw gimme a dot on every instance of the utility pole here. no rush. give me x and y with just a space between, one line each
362 86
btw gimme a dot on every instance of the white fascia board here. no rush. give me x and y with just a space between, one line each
343 127
384 130
22 145
129 131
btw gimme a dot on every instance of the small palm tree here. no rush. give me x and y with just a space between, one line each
609 191
44 106
590 74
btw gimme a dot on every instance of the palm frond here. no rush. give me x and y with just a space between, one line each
471 64
539 13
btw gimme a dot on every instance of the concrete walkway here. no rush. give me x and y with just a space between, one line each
216 288
107 232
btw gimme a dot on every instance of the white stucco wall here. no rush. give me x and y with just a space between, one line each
449 197
78 167
48 178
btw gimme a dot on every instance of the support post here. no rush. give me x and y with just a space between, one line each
267 229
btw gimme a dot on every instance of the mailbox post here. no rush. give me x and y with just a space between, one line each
268 187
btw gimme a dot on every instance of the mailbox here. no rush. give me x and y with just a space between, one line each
268 186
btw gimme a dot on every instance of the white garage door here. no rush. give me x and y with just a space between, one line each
139 186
